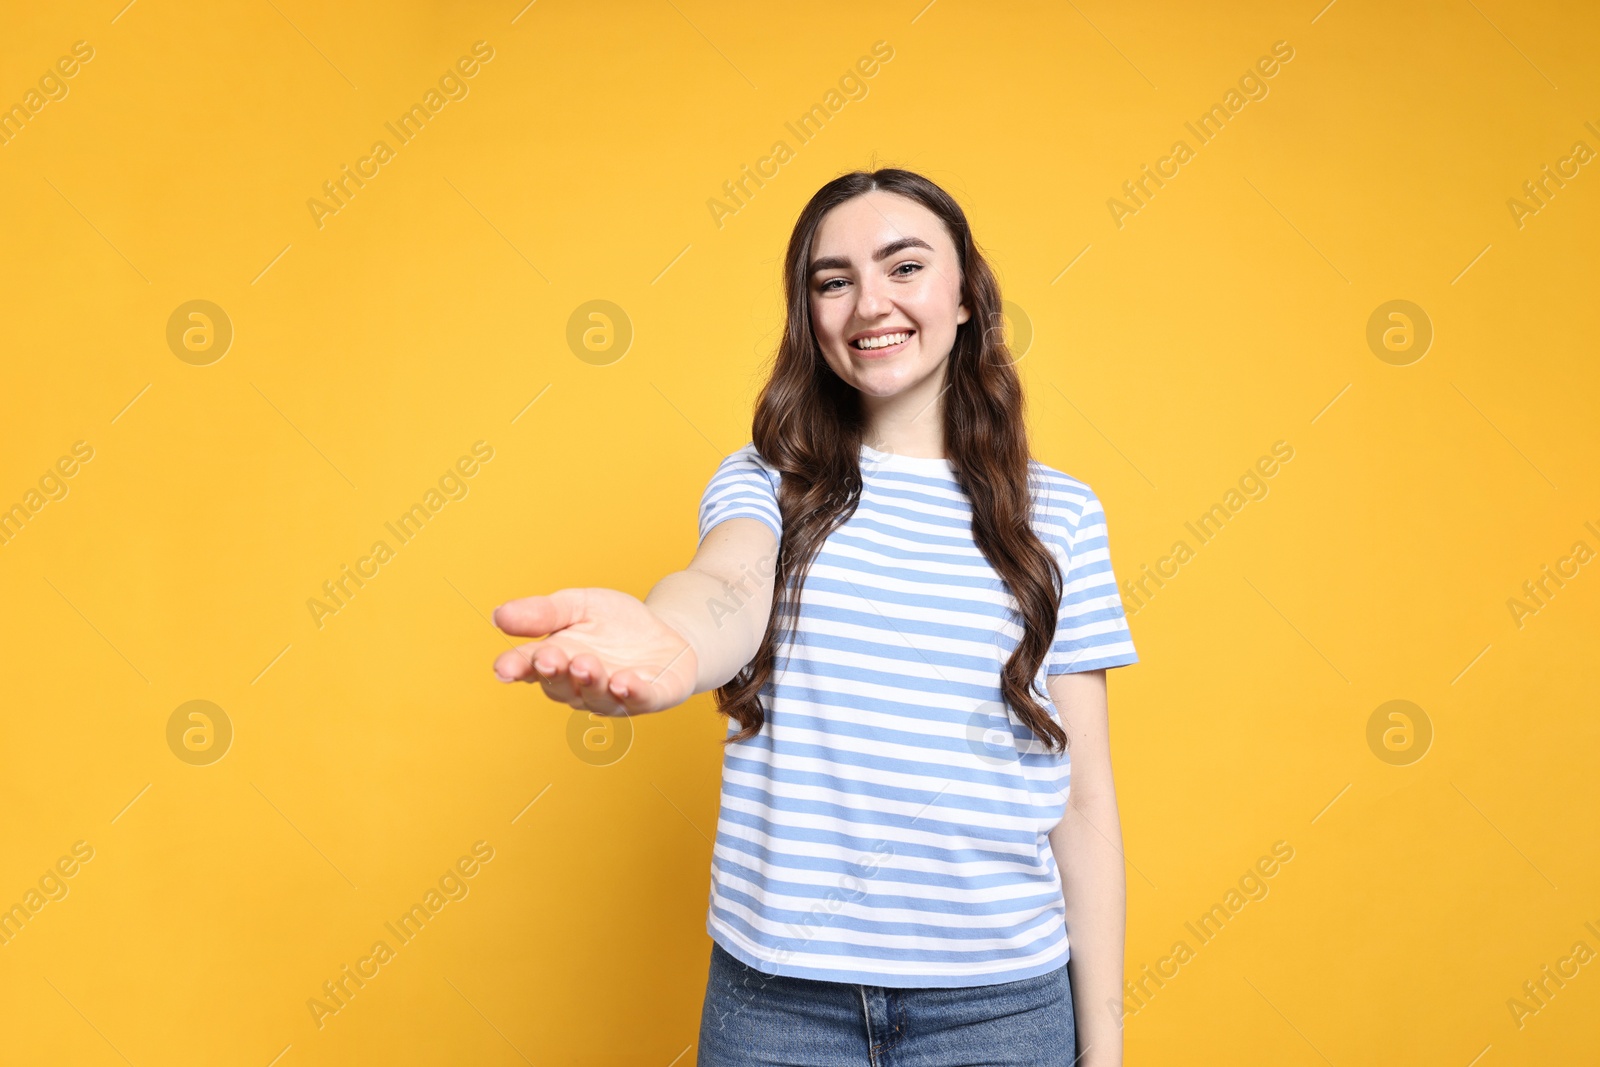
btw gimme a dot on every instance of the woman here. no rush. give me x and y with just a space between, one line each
898 853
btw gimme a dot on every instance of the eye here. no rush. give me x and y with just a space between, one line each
908 263
824 287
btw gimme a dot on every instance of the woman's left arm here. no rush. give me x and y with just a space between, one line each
1087 845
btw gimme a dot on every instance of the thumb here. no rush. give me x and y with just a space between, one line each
536 616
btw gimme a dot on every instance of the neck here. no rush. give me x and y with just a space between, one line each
910 423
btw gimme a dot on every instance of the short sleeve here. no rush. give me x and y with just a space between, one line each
743 486
1091 627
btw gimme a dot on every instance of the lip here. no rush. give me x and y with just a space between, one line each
878 353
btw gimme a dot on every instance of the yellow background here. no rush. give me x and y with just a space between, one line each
432 310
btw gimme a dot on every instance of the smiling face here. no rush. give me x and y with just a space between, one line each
884 267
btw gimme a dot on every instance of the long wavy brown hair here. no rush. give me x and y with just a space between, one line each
809 425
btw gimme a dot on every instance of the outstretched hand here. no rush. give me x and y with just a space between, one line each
603 650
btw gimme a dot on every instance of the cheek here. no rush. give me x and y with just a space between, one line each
937 301
935 314
828 321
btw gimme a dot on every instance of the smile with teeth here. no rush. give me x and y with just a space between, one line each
869 343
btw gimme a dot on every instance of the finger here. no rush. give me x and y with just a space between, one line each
633 690
623 692
516 664
531 662
537 616
561 691
589 677
551 661
586 669
541 663
550 664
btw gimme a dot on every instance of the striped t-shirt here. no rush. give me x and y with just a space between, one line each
889 824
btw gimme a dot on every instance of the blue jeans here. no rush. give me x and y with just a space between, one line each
751 1017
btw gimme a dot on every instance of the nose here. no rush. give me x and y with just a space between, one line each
874 301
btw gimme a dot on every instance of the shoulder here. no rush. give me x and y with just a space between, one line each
746 468
748 460
744 485
1061 502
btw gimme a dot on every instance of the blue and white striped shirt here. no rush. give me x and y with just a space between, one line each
889 824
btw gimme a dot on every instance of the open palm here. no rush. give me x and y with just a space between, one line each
603 650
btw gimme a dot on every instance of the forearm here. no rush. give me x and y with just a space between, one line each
722 622
1088 851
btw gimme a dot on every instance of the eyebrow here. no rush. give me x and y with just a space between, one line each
843 262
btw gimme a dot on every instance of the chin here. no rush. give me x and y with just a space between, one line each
884 386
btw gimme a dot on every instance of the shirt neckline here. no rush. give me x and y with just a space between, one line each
895 461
